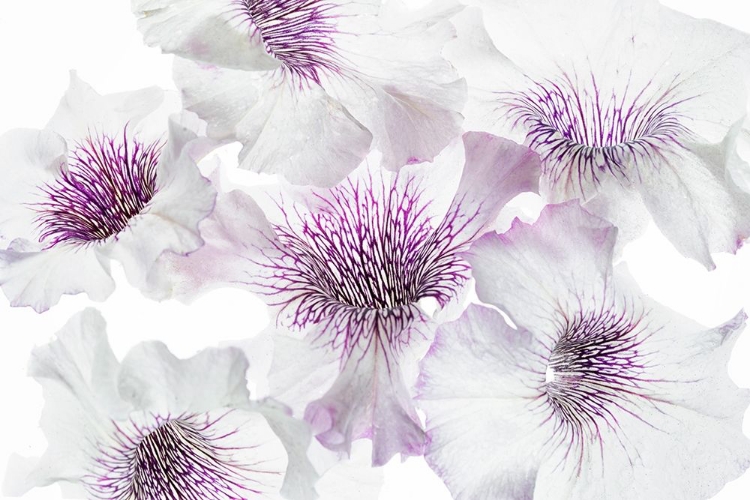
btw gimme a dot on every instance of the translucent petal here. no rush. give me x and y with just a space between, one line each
531 270
209 31
30 158
39 278
320 146
78 374
152 378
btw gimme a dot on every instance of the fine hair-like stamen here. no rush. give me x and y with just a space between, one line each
584 133
298 33
361 261
597 372
177 458
107 182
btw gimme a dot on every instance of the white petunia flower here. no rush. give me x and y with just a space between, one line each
598 392
634 109
351 267
110 177
308 86
153 426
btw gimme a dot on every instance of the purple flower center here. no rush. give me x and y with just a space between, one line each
108 182
176 459
362 260
583 133
298 33
597 371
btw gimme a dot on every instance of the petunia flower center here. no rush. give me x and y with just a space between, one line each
177 459
584 132
595 369
107 182
363 258
298 33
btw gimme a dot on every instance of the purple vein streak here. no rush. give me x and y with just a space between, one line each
178 458
108 182
583 133
298 33
360 262
600 372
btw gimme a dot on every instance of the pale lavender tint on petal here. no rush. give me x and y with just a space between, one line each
354 268
108 181
174 458
584 132
298 33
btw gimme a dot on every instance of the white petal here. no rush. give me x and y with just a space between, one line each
486 70
319 146
695 203
31 158
170 221
255 446
695 72
351 478
83 111
153 379
300 372
205 30
474 390
408 96
295 435
531 271
78 377
39 278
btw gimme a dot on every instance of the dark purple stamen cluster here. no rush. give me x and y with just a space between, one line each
108 182
176 459
596 369
583 133
363 259
299 33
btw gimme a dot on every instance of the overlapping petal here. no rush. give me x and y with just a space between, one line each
153 426
646 103
352 75
595 388
112 177
348 267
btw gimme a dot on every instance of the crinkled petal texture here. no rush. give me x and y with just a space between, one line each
664 130
346 76
597 392
101 182
151 427
349 265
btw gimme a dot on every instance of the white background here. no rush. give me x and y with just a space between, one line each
41 40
